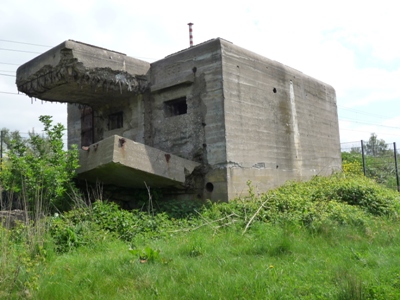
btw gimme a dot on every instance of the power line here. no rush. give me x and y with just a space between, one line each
7 75
365 131
4 63
14 50
15 42
363 112
12 93
354 121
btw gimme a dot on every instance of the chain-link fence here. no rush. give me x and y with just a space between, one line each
375 160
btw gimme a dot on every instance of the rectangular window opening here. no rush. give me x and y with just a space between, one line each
87 128
175 107
115 121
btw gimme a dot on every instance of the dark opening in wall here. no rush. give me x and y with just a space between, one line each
175 107
87 126
209 187
115 121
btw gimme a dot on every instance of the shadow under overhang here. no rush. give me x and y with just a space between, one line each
123 162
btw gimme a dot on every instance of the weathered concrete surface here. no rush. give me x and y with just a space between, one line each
199 134
248 118
133 126
123 162
240 116
280 123
75 72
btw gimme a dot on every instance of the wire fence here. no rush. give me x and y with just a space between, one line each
375 160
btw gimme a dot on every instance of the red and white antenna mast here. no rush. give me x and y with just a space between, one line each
190 34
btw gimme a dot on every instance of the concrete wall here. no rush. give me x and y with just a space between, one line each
133 121
247 118
198 135
280 124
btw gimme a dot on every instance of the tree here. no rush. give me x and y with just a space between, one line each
356 150
6 137
38 169
375 147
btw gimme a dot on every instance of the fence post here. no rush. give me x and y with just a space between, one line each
363 158
396 166
1 149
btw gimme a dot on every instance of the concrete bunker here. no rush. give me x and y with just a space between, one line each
198 123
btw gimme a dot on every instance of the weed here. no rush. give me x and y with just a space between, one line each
146 254
350 287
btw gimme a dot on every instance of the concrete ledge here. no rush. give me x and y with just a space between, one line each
123 162
75 72
188 79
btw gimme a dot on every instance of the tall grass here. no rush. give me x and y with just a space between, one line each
269 262
329 238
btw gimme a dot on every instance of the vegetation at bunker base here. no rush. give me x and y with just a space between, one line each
334 237
329 238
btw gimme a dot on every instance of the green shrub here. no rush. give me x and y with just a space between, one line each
358 191
86 226
354 168
126 225
339 199
39 170
179 209
75 229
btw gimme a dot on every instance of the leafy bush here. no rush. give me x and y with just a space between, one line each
39 170
75 229
359 191
354 167
178 209
86 226
337 200
317 204
127 225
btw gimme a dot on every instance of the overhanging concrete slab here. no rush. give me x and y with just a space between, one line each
123 162
76 72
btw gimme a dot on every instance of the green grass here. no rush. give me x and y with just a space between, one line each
329 238
268 262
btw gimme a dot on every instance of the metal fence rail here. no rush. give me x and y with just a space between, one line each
380 163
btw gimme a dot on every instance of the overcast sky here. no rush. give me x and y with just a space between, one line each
352 45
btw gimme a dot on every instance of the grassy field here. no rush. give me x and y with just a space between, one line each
334 238
268 262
